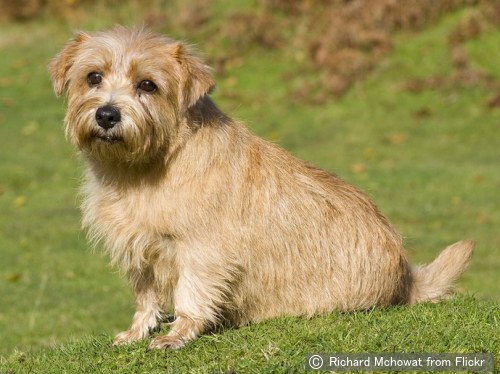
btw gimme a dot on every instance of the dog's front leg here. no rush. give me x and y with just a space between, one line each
197 295
183 329
148 312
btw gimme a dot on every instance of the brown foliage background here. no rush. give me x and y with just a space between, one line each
341 40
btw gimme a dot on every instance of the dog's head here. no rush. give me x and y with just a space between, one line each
127 92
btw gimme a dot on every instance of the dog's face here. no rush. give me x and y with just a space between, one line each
127 92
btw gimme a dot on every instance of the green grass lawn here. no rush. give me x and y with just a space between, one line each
279 346
436 176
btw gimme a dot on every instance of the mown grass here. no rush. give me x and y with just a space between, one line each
459 325
434 175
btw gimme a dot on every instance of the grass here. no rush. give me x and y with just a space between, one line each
435 176
460 325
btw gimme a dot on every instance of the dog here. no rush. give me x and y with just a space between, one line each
209 221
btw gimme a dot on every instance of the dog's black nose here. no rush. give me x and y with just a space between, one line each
107 116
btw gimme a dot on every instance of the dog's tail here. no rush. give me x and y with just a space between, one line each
435 280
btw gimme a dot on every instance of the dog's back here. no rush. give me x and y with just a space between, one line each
308 242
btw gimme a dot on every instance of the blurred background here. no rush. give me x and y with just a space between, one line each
399 97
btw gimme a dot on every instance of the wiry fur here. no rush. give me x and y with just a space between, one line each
208 219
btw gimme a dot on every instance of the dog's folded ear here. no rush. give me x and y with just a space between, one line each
58 67
196 79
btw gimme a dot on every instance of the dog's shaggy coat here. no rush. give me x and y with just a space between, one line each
206 218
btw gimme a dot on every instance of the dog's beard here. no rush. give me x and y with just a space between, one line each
127 142
107 147
110 137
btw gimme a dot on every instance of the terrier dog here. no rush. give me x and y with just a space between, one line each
209 221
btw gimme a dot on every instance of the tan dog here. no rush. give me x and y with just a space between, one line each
206 218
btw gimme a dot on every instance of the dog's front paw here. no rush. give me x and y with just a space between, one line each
182 330
166 341
127 337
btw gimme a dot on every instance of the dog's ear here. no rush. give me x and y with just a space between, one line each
58 67
196 79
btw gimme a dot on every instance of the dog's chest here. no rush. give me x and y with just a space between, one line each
133 225
130 211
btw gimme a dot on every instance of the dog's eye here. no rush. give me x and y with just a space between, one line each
147 86
94 79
